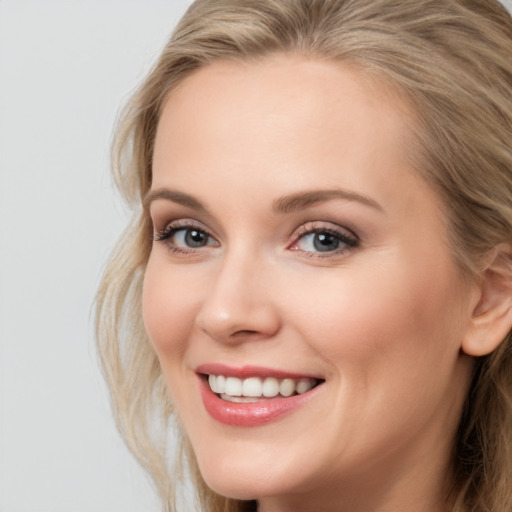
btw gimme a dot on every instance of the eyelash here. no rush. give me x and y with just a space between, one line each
348 241
166 234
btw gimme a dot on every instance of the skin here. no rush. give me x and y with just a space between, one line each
382 322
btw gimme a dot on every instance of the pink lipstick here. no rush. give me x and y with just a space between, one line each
253 396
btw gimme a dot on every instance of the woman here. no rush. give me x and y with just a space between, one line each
317 284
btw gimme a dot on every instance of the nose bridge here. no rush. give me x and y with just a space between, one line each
239 302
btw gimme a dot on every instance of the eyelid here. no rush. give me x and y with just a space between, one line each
171 228
318 226
349 239
315 226
181 223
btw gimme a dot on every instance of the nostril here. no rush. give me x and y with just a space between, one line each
245 332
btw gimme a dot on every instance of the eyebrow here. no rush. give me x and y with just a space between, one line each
285 204
176 197
302 200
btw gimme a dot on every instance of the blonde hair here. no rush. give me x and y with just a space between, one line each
453 60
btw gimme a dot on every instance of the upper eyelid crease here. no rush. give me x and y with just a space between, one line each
350 240
346 235
184 224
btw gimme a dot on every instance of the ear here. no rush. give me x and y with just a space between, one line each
491 319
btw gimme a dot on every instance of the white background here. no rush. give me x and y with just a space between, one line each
66 67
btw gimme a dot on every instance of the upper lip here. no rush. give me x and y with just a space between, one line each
246 371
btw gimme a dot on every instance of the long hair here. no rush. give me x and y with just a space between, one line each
453 60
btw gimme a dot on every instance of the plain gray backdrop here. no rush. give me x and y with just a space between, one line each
66 67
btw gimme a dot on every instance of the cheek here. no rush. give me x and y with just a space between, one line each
381 315
167 311
392 344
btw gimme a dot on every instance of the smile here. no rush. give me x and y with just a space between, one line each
251 397
255 389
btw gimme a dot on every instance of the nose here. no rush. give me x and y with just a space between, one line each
238 305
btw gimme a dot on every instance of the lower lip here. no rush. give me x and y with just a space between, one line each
252 414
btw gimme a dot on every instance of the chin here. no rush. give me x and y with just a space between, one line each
245 480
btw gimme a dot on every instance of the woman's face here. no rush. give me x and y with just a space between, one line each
296 248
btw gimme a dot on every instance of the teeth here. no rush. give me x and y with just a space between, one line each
270 387
304 385
287 387
252 387
233 386
246 390
239 399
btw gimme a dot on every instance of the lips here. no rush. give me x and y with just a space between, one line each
253 396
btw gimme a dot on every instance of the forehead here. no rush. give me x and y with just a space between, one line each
231 93
283 116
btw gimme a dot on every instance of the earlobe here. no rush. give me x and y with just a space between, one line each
491 319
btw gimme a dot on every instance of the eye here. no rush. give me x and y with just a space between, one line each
191 238
182 236
322 239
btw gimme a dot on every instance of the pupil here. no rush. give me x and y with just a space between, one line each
195 238
324 242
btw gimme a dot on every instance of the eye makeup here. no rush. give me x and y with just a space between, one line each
313 239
